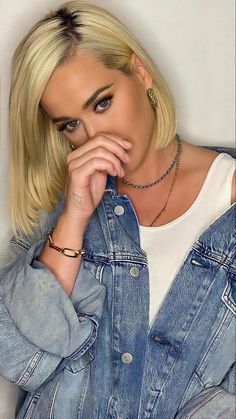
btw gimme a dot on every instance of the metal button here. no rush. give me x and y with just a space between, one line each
126 358
119 210
134 271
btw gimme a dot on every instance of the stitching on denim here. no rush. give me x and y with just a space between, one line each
194 310
84 366
214 256
199 379
228 299
107 237
83 391
190 384
30 368
21 244
129 259
99 273
205 400
115 257
90 340
214 344
152 400
51 405
30 408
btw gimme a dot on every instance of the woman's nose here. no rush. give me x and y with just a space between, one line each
92 128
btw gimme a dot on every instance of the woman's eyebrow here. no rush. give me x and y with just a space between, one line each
86 104
95 95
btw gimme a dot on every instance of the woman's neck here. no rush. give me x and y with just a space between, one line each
151 167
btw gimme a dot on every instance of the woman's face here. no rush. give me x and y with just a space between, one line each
84 99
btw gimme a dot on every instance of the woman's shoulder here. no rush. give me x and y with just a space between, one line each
196 160
199 159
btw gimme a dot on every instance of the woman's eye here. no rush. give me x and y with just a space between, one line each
69 126
103 104
72 124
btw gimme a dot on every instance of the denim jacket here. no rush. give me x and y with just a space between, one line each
93 355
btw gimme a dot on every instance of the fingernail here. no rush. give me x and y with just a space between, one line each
127 144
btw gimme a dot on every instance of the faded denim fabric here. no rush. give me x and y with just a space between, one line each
94 355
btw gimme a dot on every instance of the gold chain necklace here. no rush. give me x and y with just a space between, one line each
149 185
171 188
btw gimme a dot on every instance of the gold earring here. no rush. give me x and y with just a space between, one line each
72 146
152 98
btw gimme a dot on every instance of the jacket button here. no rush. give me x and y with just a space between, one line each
134 271
126 358
119 210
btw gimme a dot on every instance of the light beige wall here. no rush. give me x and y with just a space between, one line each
193 42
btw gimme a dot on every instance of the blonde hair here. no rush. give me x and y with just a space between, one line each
38 151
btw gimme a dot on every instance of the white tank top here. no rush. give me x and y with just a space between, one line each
168 245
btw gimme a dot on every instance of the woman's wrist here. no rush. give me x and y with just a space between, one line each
69 232
66 251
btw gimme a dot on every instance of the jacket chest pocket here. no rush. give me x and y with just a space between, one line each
218 353
216 362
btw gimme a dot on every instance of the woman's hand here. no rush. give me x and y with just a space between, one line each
88 168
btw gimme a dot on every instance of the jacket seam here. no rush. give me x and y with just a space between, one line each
87 344
205 400
215 257
51 405
214 343
30 368
21 244
227 298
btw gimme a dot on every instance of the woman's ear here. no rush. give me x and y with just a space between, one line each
141 71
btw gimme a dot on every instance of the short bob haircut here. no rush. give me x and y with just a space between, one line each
38 172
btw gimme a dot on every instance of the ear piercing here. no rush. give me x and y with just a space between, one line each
72 146
152 98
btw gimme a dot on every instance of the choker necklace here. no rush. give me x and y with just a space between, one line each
149 185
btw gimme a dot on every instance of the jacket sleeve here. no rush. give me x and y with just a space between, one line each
213 402
39 324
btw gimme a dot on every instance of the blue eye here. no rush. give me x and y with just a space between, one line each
100 106
103 104
69 126
72 124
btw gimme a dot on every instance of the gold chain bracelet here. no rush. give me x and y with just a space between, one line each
66 251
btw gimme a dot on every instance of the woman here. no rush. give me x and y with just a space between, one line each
119 301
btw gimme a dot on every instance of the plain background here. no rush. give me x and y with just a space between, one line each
192 42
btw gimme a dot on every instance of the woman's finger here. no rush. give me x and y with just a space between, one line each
84 172
113 144
99 152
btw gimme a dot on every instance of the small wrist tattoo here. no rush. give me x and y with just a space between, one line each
77 200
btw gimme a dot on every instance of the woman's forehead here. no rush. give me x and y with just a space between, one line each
84 72
75 82
80 67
